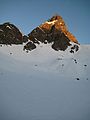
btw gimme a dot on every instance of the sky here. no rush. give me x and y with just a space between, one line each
28 14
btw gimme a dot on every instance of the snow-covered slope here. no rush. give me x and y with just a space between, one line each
44 84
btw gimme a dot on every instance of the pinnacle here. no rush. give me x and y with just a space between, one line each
56 17
58 23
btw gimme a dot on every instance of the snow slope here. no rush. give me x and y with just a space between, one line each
44 84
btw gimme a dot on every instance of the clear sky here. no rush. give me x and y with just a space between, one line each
28 14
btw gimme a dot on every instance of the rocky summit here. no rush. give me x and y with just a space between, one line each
53 31
10 34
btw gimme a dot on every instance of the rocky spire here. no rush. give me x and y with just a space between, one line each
53 31
60 25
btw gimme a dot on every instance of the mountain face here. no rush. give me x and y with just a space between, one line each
53 31
10 34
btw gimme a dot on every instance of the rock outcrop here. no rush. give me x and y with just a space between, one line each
10 34
29 46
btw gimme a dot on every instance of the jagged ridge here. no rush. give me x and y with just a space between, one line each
53 31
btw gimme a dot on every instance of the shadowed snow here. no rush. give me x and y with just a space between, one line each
43 85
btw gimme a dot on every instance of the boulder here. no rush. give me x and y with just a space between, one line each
29 46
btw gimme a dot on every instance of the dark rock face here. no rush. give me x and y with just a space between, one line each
54 31
10 34
61 42
25 38
57 38
29 46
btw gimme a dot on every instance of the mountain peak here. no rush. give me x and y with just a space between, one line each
58 23
53 31
10 34
56 17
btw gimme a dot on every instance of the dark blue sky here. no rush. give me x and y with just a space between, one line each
28 14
